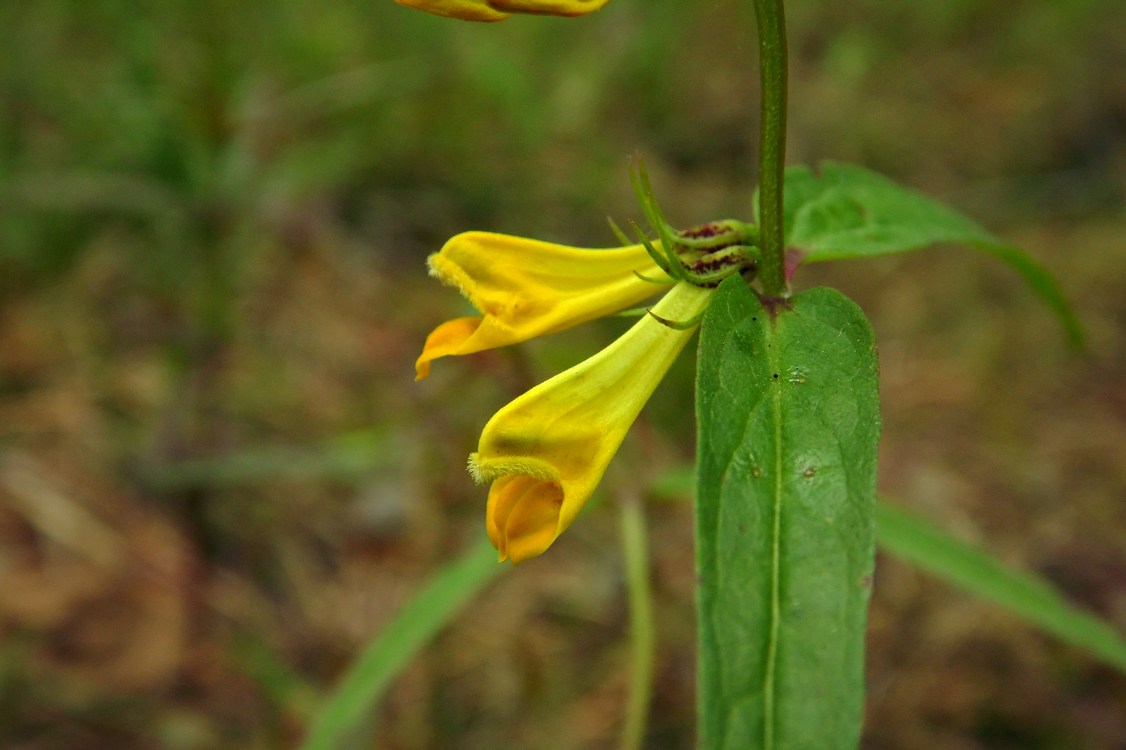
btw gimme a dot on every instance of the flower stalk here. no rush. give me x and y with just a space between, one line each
771 21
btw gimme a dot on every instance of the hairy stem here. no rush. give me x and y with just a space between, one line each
771 20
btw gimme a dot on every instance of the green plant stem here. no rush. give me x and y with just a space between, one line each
771 20
642 636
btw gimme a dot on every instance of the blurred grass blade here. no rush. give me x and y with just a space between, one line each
1024 594
917 541
1040 281
347 457
643 637
418 622
282 684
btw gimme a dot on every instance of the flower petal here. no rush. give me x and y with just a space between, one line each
546 451
446 339
467 10
527 288
498 10
549 7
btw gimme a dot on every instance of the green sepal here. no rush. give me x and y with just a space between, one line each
647 280
639 178
677 325
621 236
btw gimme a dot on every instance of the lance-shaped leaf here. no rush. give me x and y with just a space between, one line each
1024 594
843 211
788 418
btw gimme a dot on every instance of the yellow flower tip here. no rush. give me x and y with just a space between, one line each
445 340
498 10
549 7
466 10
433 267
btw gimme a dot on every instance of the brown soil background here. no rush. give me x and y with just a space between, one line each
218 479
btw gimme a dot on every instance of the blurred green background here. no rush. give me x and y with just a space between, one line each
218 479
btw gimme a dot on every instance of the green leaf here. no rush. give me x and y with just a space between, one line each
1028 596
419 621
788 415
848 212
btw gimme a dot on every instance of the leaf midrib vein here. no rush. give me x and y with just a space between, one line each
769 706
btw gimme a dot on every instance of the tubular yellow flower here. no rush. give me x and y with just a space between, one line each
527 288
498 10
546 451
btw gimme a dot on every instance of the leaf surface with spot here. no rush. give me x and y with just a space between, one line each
788 416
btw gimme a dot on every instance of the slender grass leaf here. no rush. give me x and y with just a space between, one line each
788 415
279 682
844 212
917 541
642 632
419 621
1024 594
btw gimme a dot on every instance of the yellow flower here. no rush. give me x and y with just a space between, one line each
527 288
546 451
498 10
